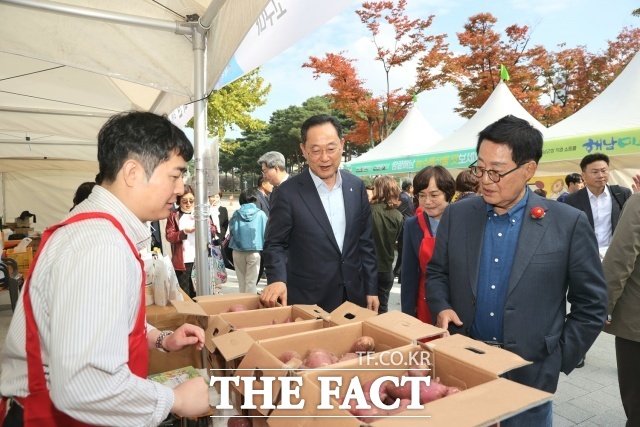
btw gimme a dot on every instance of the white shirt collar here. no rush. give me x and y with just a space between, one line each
606 191
317 181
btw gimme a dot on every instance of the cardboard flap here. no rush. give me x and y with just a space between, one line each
485 405
217 327
405 326
493 360
233 345
188 307
349 312
312 310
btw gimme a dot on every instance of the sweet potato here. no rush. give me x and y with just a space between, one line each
288 355
433 391
319 357
383 393
348 356
238 307
363 344
239 422
419 370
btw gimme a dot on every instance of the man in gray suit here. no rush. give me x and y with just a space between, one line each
505 263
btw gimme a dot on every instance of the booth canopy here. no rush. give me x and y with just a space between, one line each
412 137
609 124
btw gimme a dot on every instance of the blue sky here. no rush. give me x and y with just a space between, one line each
575 22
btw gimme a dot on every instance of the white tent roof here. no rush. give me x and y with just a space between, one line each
500 103
413 136
614 109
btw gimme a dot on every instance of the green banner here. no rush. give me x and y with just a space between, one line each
614 143
610 143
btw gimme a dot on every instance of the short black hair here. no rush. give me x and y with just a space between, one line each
146 137
524 140
573 178
82 192
406 184
590 158
247 196
317 120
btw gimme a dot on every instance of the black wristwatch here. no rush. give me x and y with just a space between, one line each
160 340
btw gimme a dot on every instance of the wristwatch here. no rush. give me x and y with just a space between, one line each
160 340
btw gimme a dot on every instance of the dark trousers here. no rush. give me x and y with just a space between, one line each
14 416
385 283
540 416
184 280
627 358
261 270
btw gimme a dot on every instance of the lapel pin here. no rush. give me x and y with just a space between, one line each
350 189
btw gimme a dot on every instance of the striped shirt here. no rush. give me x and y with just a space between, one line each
85 293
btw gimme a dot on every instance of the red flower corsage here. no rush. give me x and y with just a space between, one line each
537 213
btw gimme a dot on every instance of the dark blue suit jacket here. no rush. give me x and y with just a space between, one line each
556 260
413 236
301 250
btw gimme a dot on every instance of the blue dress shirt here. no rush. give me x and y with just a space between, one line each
498 249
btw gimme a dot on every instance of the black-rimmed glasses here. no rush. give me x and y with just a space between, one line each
493 175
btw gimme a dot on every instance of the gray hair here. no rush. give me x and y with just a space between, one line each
273 159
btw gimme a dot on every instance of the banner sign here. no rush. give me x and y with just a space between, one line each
576 147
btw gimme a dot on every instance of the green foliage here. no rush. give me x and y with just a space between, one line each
232 104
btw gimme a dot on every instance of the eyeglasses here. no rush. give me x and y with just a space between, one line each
187 201
493 175
316 153
432 196
264 171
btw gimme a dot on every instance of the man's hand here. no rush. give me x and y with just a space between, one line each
635 187
189 230
191 398
373 303
184 336
273 292
446 316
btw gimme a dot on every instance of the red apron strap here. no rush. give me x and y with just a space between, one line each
35 369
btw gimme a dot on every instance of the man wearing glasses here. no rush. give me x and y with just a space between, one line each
504 265
319 242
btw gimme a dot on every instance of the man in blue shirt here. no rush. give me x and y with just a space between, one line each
506 263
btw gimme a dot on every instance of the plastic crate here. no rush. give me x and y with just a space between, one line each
22 258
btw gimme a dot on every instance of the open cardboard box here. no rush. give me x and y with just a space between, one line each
306 318
262 357
472 366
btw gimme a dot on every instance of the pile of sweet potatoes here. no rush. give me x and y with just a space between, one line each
389 393
320 357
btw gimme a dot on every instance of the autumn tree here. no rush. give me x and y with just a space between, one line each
232 104
573 77
477 73
375 117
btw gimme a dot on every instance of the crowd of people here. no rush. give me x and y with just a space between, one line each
480 254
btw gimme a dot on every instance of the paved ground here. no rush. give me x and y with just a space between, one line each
587 397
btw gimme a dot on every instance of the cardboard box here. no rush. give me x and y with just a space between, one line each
262 357
472 366
228 349
167 318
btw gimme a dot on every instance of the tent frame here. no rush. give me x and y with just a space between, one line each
197 31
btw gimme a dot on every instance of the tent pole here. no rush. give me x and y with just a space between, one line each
203 236
102 15
4 200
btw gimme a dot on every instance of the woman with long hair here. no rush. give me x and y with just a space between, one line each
434 187
387 223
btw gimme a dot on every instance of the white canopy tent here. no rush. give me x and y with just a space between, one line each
413 136
145 55
609 124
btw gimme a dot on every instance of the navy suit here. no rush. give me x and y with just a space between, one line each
301 250
411 263
554 255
